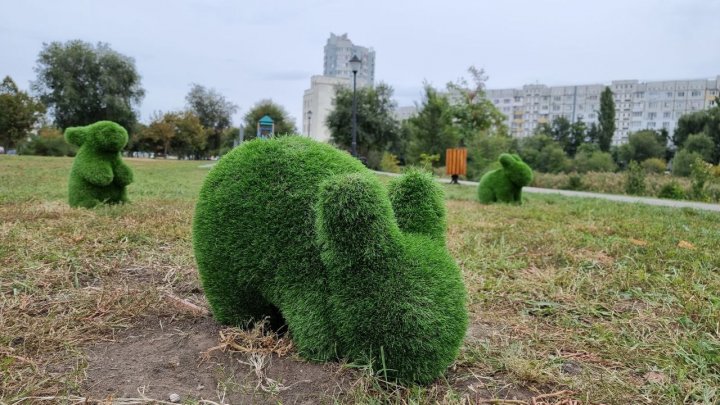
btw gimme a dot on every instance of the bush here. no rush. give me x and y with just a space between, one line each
543 154
672 191
595 161
428 161
611 183
682 163
700 174
300 232
98 174
389 163
48 142
701 144
654 165
635 179
574 182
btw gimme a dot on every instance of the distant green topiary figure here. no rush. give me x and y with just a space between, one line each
303 233
505 184
98 173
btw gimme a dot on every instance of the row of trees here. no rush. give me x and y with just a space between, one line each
79 83
461 115
204 129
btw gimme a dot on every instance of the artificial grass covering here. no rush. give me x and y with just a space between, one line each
303 233
505 184
98 174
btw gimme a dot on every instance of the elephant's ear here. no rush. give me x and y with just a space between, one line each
75 135
418 203
355 225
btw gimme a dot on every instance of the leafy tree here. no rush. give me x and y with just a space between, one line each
578 137
689 124
484 152
543 154
284 124
82 84
18 113
642 145
606 120
161 130
701 144
213 110
560 130
190 135
707 122
552 159
593 134
180 133
474 114
431 130
568 135
377 129
590 158
683 161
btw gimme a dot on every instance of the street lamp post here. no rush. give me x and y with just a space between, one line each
309 116
355 64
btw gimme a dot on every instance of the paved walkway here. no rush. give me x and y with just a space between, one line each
612 197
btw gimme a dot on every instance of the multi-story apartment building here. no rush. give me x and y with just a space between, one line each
339 49
638 105
317 104
317 100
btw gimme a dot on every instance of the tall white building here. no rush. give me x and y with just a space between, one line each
318 99
317 104
638 105
339 49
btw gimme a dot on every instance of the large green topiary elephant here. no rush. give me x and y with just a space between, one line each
303 233
98 174
505 184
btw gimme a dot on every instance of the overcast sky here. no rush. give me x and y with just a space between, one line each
250 50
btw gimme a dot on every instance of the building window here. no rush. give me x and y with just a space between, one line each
667 114
637 113
695 93
669 94
651 116
651 124
666 125
681 94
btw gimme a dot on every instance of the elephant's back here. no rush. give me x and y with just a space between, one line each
255 210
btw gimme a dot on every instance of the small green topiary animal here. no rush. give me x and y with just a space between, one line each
505 184
98 173
303 233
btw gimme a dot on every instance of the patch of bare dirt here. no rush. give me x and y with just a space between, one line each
162 357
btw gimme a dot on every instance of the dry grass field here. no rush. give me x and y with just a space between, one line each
572 301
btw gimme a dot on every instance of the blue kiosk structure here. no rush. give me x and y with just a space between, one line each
265 127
